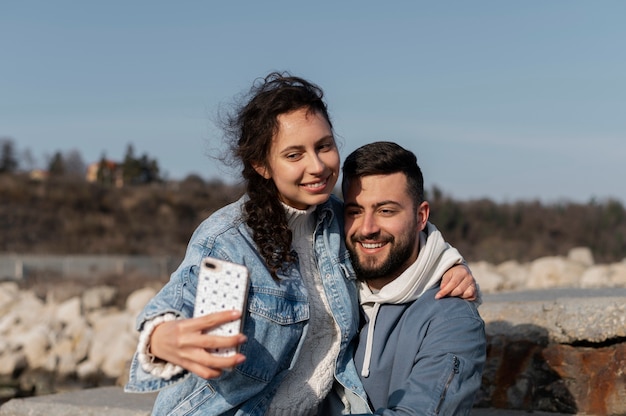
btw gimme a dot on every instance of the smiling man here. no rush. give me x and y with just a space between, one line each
416 355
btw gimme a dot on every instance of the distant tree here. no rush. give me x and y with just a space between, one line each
8 160
139 170
74 164
131 167
56 166
27 159
149 169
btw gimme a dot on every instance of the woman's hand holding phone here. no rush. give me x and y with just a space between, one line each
185 343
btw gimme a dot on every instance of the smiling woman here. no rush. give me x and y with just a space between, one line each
283 230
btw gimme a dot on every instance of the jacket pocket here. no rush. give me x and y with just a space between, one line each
449 376
274 325
189 404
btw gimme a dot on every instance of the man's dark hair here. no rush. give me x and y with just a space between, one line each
384 158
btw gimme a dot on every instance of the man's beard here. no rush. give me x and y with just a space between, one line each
368 268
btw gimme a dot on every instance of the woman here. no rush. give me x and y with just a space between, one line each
302 311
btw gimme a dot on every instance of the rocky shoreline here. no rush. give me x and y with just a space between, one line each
61 335
553 325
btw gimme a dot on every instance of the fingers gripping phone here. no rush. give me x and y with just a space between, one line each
222 286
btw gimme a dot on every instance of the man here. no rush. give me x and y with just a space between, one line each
416 355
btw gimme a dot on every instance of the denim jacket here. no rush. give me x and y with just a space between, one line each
275 322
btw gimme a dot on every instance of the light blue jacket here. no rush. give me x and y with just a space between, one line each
275 322
427 357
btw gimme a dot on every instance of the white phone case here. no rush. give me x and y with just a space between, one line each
222 285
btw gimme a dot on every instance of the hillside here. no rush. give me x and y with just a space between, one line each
64 216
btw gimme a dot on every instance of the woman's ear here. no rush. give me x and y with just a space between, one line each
262 170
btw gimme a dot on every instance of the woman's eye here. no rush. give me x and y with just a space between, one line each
326 146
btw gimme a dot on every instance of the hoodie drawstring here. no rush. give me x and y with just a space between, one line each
365 372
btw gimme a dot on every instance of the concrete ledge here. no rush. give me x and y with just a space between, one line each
89 402
113 401
564 316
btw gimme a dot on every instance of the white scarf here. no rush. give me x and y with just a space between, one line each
434 259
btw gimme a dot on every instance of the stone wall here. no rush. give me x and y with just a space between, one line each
556 330
558 350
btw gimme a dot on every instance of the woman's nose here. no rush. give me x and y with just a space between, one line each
317 165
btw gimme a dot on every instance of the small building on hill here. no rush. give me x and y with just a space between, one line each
106 172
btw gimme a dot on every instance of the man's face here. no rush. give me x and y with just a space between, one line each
382 227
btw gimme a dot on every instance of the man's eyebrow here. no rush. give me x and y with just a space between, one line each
388 202
376 205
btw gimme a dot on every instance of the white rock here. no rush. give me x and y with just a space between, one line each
30 310
618 274
515 275
113 345
596 277
486 276
552 271
80 336
69 311
66 361
12 361
87 370
99 296
9 292
122 350
50 363
138 299
582 255
8 321
35 343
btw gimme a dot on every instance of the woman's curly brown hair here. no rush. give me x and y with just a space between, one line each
251 129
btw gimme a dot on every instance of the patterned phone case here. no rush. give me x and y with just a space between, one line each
222 286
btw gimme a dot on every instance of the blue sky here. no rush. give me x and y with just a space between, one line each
509 100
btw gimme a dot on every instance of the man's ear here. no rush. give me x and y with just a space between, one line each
262 170
423 212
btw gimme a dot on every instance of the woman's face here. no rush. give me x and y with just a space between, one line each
303 160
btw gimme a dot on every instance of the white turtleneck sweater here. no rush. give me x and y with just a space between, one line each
311 378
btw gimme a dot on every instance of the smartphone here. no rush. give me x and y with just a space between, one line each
222 285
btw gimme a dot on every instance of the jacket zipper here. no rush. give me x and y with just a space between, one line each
442 397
